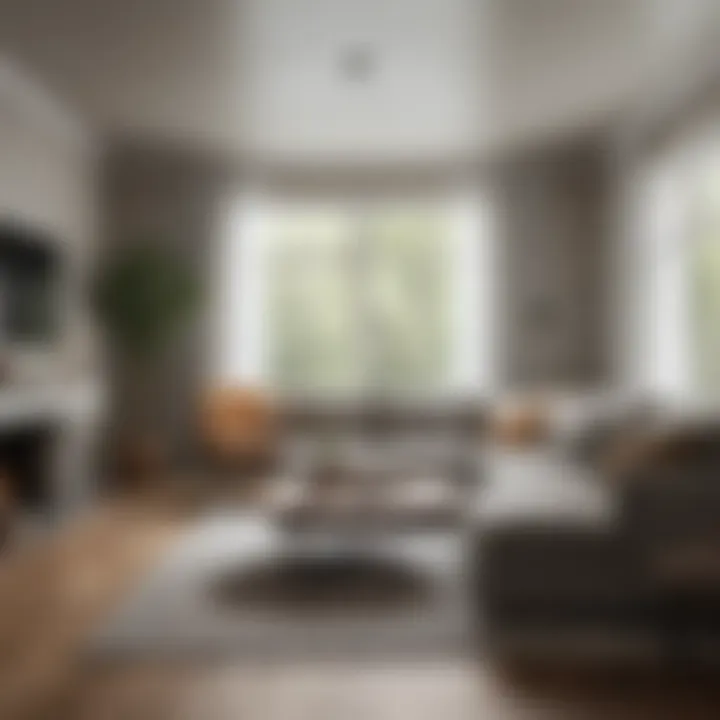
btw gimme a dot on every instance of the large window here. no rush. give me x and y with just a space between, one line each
679 270
704 280
351 297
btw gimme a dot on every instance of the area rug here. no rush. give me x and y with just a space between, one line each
236 586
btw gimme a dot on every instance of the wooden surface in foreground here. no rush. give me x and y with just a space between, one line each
54 593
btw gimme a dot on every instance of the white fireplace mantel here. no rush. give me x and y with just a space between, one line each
74 411
66 402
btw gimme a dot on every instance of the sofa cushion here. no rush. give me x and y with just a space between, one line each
541 488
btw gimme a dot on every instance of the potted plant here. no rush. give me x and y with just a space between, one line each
143 298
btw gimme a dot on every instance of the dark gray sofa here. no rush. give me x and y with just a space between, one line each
569 561
555 570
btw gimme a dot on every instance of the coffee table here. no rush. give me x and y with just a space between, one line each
359 529
357 514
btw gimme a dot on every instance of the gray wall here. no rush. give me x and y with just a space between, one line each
166 196
553 212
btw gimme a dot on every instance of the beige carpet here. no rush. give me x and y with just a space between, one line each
228 589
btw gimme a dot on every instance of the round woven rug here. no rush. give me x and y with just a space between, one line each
341 587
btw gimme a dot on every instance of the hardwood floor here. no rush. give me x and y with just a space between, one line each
53 594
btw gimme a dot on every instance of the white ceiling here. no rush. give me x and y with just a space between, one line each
262 77
419 101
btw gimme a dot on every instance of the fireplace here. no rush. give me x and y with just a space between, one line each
25 466
29 284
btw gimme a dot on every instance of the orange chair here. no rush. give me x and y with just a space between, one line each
239 428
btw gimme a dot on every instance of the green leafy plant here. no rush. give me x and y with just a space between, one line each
143 297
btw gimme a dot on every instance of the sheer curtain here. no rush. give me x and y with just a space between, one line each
240 292
474 297
241 339
663 362
668 345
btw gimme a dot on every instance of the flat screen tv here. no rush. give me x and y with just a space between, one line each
29 276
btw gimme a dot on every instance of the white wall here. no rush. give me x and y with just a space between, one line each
47 181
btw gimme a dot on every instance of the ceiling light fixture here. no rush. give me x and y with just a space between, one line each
358 63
